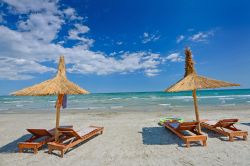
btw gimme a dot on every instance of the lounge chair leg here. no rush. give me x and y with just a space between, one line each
62 153
35 150
188 144
204 143
231 138
20 150
245 137
50 151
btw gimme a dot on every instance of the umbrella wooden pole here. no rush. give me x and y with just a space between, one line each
58 106
196 109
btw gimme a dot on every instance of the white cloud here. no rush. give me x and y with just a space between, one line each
152 72
15 45
41 26
77 34
23 50
26 6
20 69
174 57
71 14
119 43
201 36
180 38
149 37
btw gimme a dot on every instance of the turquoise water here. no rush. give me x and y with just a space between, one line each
118 101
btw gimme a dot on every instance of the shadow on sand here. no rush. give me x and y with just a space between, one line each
12 146
161 136
247 124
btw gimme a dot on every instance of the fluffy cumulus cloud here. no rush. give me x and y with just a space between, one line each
180 38
34 41
196 36
26 6
174 57
201 36
20 69
147 37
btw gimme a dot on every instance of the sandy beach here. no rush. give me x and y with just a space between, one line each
129 138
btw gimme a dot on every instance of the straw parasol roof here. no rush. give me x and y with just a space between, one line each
192 81
57 85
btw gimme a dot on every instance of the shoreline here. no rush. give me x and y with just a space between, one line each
147 108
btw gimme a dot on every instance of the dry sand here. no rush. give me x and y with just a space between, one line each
129 138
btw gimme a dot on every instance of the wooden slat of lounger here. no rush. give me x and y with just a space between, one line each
227 131
85 131
90 132
187 138
39 132
188 126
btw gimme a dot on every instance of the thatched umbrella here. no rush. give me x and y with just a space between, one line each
59 85
192 82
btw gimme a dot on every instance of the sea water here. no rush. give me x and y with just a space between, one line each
119 101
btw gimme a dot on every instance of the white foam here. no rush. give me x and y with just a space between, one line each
79 108
51 101
116 107
227 105
181 97
226 98
115 98
10 102
165 104
93 108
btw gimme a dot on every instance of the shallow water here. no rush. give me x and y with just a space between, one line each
110 101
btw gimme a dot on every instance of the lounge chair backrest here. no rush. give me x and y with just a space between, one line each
226 122
187 125
39 132
69 132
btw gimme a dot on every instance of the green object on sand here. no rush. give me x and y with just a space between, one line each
170 119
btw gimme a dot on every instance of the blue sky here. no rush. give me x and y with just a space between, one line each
119 46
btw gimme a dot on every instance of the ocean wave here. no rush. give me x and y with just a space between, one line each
93 108
181 97
178 106
227 105
10 102
79 108
115 98
116 107
19 105
52 101
227 98
165 104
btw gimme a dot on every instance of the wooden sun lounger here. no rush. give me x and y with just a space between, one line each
39 138
225 127
70 138
193 134
41 135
